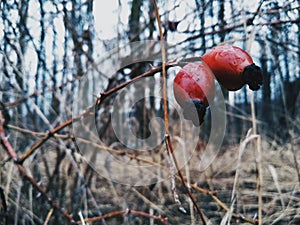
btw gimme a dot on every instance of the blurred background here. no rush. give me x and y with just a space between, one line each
47 49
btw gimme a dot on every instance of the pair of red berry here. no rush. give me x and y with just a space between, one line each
194 85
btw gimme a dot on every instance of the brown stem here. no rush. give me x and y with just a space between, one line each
51 133
89 110
166 117
222 205
144 75
171 150
163 59
12 153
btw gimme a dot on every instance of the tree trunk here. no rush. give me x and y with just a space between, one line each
134 20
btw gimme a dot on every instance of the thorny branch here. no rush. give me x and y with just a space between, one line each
168 141
12 153
89 112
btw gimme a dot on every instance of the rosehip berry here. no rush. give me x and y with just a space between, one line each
194 88
233 67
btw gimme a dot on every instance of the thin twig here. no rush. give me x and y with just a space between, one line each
149 73
171 150
89 110
166 119
125 212
48 216
12 153
163 58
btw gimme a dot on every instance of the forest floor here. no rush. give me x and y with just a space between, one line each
231 177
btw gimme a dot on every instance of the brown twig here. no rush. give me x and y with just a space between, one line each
164 76
125 212
171 150
149 73
48 216
213 195
12 153
89 110
166 116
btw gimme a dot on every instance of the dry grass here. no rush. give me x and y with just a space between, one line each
85 193
280 187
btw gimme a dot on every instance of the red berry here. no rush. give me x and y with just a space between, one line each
194 88
233 67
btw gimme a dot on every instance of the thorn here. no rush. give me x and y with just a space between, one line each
151 66
127 211
214 193
173 60
182 210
